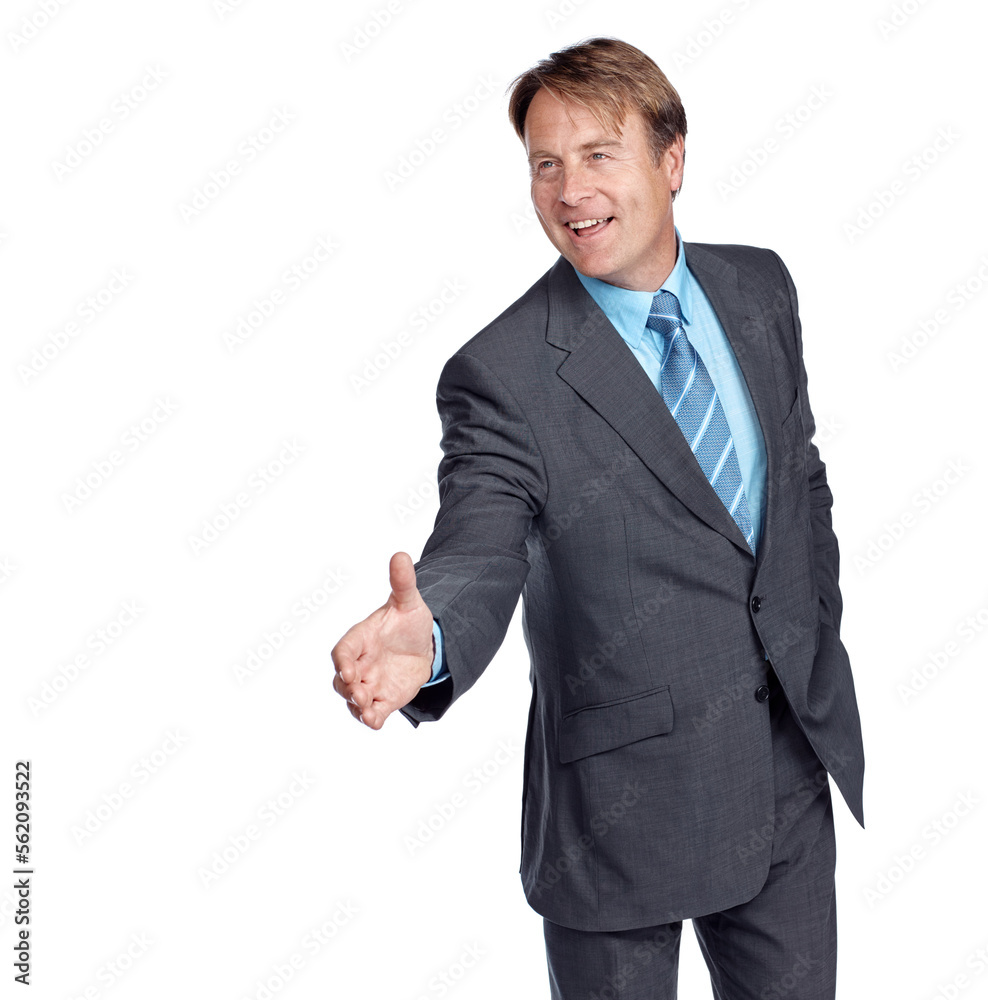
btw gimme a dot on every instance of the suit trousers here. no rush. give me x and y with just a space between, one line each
782 943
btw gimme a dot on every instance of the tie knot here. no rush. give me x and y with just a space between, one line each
665 316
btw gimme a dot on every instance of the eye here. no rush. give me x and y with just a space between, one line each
604 155
545 163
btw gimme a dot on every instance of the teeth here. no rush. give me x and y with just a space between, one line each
584 224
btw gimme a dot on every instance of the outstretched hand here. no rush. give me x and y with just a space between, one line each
383 661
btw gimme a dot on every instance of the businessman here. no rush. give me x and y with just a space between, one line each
628 447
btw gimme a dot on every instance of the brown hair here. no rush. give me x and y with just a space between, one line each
609 78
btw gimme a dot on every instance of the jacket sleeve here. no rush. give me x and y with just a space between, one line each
826 558
492 482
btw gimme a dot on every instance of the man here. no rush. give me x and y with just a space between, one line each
628 446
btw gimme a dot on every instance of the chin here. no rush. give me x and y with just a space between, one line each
592 268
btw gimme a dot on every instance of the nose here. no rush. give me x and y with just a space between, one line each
574 186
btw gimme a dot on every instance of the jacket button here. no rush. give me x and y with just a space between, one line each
756 604
761 693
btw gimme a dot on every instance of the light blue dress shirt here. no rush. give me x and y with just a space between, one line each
628 311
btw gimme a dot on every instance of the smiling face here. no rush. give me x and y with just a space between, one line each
600 197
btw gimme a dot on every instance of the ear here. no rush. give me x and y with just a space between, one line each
673 160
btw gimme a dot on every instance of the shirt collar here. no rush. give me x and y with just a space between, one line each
628 310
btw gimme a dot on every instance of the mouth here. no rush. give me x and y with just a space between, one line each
583 228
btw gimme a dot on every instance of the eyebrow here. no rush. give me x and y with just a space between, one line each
543 154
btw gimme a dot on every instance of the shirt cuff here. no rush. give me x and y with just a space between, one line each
439 671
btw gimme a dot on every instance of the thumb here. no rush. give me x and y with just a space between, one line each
401 571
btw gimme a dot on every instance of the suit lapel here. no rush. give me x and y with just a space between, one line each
605 373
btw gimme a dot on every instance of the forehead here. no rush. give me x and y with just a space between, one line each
552 118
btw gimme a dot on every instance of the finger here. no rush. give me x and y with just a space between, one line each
374 715
357 694
401 571
345 661
341 687
361 696
350 655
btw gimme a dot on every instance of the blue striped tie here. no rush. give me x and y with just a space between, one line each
692 399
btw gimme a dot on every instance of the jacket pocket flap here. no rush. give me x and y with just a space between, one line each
605 727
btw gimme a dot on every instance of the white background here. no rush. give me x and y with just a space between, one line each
361 484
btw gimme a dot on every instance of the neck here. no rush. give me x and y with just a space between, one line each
665 261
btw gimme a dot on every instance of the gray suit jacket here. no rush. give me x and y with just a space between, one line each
648 761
